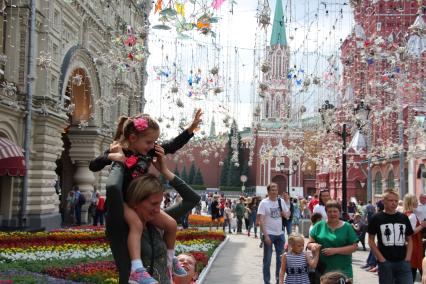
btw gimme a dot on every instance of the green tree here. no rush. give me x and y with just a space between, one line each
234 174
191 175
176 171
184 175
231 171
245 170
198 180
224 172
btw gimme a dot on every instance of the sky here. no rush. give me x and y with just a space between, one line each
314 28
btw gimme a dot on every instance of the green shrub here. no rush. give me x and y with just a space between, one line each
198 187
230 188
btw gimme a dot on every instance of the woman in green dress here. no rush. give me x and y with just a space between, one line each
337 240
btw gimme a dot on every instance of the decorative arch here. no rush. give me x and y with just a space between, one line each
80 95
267 112
9 131
281 181
78 60
279 62
390 180
355 174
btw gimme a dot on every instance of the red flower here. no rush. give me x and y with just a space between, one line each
131 161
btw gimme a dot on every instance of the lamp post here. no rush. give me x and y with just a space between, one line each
327 114
294 169
362 114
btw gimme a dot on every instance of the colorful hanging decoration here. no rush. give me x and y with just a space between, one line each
217 3
158 6
174 14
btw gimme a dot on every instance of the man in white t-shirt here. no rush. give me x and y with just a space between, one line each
271 211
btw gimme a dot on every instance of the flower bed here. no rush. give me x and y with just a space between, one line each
83 254
202 220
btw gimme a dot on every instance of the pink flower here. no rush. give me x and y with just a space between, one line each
130 41
131 161
140 124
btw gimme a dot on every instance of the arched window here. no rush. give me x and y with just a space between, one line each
277 107
278 58
378 183
390 182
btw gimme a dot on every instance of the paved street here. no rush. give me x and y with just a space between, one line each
240 261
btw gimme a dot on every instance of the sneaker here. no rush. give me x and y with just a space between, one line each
374 269
365 266
177 268
261 245
141 276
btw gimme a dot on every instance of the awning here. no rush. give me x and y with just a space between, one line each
12 160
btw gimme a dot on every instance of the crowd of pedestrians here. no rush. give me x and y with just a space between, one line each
392 228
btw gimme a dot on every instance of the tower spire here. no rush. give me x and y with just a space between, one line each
278 36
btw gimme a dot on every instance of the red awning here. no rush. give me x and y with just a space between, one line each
12 160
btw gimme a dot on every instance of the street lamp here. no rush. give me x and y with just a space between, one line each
327 116
290 171
362 115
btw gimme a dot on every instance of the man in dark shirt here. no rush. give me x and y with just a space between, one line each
394 244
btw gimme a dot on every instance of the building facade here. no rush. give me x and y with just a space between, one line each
80 83
384 61
274 144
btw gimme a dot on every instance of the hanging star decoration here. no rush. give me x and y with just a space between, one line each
77 80
44 60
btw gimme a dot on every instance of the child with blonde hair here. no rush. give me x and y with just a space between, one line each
296 262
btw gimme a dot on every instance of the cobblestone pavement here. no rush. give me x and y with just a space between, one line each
240 261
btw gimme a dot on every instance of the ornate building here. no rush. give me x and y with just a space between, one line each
73 97
384 61
273 140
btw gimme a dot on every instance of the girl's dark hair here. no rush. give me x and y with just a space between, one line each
120 124
320 199
316 217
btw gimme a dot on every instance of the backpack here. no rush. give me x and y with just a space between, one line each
284 220
81 199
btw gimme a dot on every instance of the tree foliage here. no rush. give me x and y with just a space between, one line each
191 175
184 175
231 171
198 180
